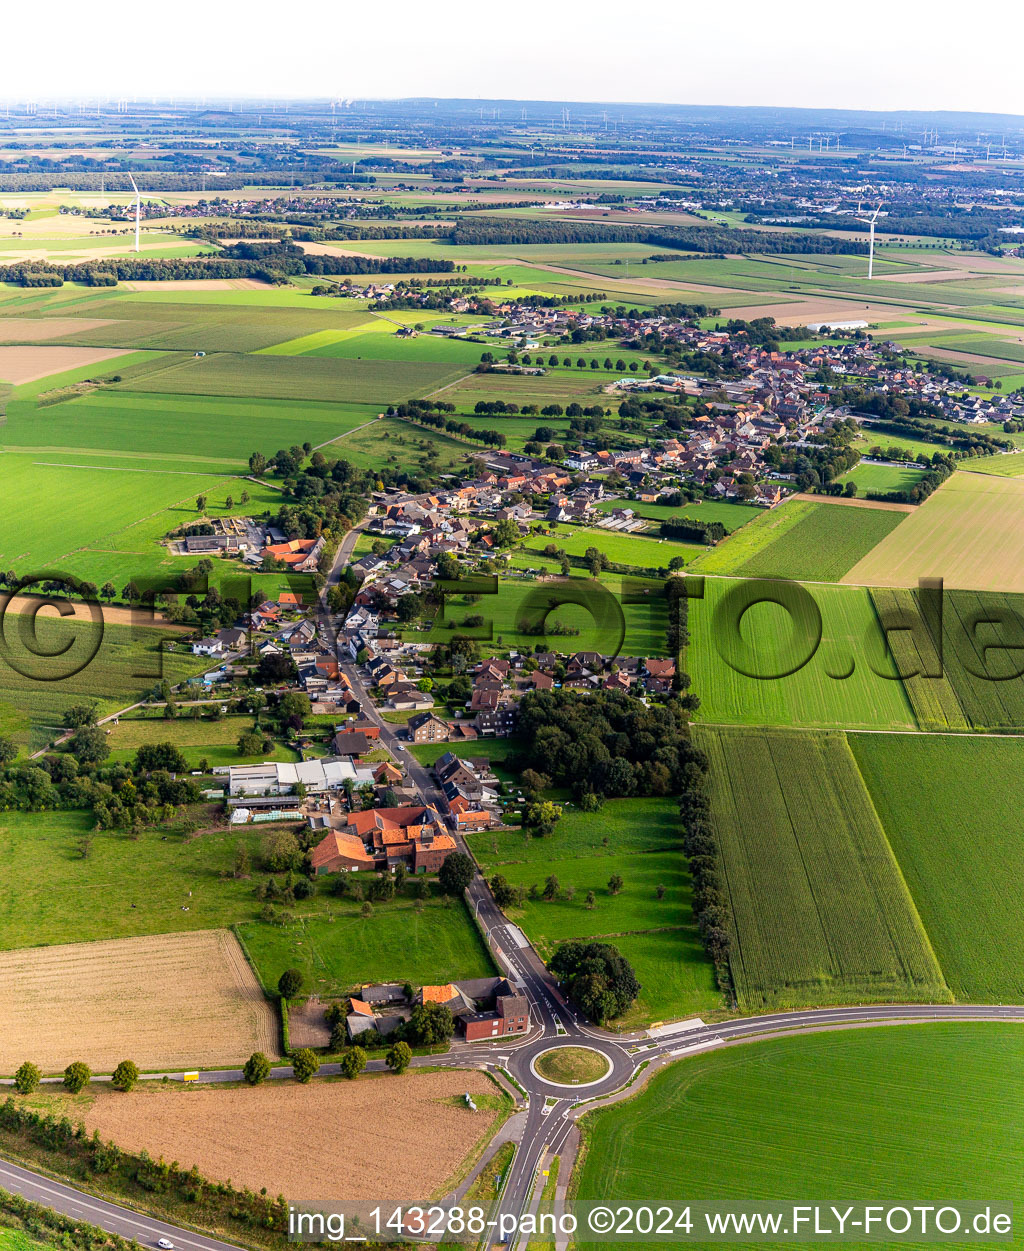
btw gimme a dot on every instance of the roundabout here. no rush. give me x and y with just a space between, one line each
572 1066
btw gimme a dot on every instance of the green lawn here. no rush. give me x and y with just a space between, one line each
197 739
493 749
841 685
397 943
951 809
732 516
868 1114
620 825
640 551
820 912
19 1240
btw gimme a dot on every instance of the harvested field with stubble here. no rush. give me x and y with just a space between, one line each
403 1137
165 1001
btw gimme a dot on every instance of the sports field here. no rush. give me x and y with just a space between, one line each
970 533
820 911
865 1113
951 809
848 680
881 479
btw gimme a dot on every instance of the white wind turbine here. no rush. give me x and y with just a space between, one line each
870 221
138 211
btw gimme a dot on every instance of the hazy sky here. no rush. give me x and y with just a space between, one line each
898 55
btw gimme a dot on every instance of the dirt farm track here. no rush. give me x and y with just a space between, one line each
165 1001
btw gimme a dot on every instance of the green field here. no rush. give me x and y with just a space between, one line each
397 943
49 893
820 910
951 809
980 686
301 378
766 527
870 1114
1004 466
841 685
196 738
63 663
824 543
638 839
176 431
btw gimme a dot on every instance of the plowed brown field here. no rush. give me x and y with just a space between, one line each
380 1137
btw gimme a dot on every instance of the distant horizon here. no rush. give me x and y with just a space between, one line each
248 102
855 60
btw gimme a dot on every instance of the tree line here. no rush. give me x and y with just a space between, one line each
711 239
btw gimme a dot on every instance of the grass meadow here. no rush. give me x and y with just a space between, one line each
866 1113
112 666
951 809
639 840
820 910
337 949
522 602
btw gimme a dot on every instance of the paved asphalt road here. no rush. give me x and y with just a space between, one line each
554 1024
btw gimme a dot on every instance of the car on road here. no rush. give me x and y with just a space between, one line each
165 1244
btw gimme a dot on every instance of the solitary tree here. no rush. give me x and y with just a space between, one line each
200 503
398 1057
615 884
126 1075
591 899
256 1069
456 873
27 1078
305 1065
77 1076
290 984
353 1061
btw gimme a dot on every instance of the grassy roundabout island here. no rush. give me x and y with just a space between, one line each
572 1066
